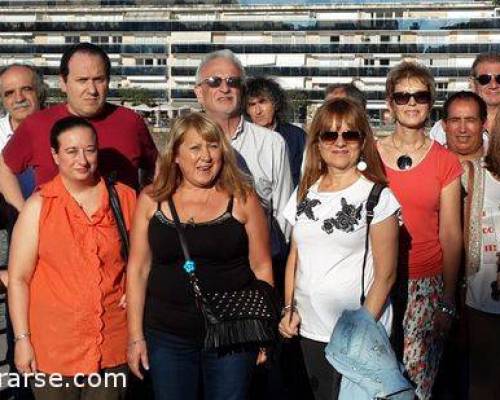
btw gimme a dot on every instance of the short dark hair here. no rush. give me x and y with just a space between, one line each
87 48
260 86
468 96
351 91
65 124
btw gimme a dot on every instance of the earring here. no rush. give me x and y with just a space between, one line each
361 165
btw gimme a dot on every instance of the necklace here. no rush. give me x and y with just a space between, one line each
191 220
404 161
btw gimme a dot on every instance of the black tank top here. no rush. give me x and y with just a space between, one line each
220 250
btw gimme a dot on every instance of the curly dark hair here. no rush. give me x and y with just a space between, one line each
260 86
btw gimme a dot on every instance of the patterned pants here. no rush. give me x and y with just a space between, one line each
422 345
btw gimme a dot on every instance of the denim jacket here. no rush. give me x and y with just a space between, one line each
360 350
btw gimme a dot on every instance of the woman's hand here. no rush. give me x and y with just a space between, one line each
24 357
443 317
262 356
137 355
289 325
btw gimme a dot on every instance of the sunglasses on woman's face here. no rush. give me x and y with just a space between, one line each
216 81
421 97
484 79
329 137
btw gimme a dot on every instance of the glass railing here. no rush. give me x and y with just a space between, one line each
398 24
115 3
129 71
465 48
60 48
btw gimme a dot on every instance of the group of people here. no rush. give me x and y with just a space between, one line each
252 197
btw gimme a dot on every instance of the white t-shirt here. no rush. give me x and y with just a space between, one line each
479 284
329 230
5 131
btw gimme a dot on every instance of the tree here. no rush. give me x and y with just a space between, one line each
298 104
136 96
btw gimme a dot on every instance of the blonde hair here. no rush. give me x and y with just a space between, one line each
230 178
341 111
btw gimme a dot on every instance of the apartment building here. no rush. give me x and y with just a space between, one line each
309 44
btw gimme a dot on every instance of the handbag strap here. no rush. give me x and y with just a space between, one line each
179 229
189 265
114 202
371 203
469 172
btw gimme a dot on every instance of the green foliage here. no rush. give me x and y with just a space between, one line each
136 96
298 104
55 95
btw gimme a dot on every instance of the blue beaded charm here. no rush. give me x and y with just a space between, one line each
189 266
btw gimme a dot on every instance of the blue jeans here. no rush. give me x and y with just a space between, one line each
176 366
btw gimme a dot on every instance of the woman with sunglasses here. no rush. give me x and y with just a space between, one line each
425 177
324 269
226 232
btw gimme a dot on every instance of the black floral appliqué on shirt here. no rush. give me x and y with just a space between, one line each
306 207
345 219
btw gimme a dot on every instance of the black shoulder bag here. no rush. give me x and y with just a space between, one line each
371 203
114 203
234 319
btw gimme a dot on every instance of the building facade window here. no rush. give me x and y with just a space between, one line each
71 39
99 39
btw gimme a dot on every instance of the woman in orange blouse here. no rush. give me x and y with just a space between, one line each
67 277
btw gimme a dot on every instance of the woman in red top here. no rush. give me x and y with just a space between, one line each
67 277
425 177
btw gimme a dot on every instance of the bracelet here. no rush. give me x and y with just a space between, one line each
132 342
447 309
285 309
22 336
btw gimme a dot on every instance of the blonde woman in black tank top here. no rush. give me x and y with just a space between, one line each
228 237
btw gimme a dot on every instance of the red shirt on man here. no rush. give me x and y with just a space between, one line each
125 144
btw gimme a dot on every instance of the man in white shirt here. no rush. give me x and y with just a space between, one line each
260 152
22 92
485 82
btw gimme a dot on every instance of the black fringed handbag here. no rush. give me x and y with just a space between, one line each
235 319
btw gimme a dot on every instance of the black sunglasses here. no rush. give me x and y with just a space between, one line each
216 81
329 137
402 98
484 79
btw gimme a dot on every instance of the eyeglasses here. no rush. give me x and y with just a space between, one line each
484 79
402 98
216 81
329 137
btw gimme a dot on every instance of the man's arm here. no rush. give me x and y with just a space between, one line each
9 186
282 187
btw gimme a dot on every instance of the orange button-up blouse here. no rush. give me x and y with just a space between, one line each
75 321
